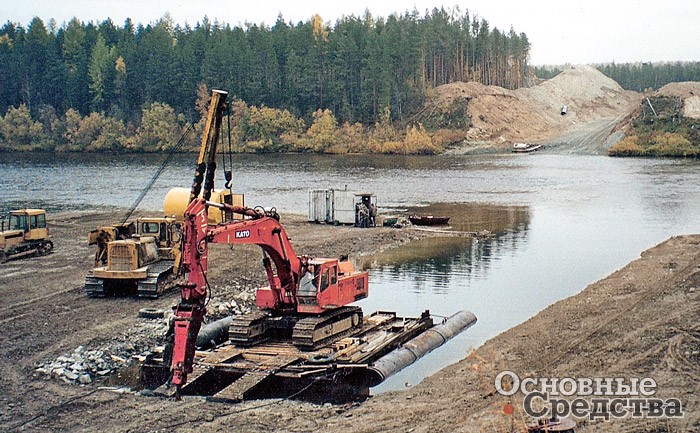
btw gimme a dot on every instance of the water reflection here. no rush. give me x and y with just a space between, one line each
491 231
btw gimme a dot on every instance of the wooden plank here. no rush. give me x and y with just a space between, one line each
246 383
276 362
223 354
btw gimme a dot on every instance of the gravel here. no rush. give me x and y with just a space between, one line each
85 364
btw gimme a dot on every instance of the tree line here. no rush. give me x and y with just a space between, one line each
638 76
249 129
642 76
358 69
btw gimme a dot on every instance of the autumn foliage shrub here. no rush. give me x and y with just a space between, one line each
669 144
655 144
18 130
251 129
627 147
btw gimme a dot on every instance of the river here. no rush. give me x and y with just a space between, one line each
561 222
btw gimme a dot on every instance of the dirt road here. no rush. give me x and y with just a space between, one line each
592 138
639 322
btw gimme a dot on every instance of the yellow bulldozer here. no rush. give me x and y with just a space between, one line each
142 257
136 257
27 235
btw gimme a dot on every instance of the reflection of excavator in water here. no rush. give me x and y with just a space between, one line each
306 300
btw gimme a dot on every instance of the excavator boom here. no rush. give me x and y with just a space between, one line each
305 300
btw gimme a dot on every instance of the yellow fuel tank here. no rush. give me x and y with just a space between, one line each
176 202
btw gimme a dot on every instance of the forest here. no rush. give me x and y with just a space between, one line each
310 86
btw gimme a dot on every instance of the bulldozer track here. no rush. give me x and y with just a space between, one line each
33 248
160 279
94 287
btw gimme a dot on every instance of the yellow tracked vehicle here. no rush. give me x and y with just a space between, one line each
27 235
136 257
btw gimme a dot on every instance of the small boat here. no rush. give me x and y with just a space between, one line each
525 147
428 220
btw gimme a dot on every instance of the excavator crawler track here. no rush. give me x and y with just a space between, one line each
249 329
311 332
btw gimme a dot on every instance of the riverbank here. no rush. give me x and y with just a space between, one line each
664 125
638 322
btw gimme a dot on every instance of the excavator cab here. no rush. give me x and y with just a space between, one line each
330 283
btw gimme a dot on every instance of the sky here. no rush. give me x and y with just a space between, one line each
560 32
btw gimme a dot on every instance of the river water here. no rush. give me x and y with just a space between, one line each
561 222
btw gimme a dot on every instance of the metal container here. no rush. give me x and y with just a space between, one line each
337 206
343 206
319 205
176 201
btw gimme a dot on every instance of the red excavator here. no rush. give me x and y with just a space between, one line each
306 300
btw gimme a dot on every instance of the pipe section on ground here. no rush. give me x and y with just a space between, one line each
417 347
213 333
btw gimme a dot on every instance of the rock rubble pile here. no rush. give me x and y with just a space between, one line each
84 365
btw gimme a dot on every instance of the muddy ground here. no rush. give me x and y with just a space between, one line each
639 322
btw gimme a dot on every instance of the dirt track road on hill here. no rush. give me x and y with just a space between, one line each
596 107
592 138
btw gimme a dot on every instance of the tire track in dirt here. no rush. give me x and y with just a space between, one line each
588 139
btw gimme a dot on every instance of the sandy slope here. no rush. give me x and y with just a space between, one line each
502 116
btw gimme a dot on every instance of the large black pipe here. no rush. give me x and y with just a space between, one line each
213 333
417 347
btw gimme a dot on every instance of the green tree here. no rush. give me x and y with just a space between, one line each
35 50
76 60
9 67
102 72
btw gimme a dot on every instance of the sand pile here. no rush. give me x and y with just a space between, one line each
534 114
689 91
